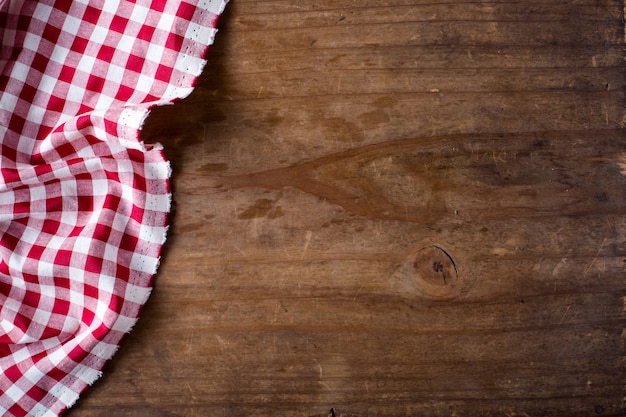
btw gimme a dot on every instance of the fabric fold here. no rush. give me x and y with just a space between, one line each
83 201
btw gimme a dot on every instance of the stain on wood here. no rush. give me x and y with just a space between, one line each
390 208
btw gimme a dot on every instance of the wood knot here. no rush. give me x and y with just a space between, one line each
430 272
435 266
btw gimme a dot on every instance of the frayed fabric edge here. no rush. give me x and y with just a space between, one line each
86 376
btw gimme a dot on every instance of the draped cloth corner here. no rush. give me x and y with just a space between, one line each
83 201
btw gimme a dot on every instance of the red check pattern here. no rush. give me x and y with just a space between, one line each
83 202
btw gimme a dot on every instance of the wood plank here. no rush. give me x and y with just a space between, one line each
390 208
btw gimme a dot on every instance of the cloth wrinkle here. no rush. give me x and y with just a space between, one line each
84 202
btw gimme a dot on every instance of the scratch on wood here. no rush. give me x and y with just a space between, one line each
595 258
564 314
191 391
325 385
309 236
559 266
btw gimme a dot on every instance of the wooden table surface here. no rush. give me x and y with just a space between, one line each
390 208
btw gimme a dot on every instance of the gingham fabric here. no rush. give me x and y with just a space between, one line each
83 202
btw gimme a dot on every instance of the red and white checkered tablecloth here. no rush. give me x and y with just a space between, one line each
83 202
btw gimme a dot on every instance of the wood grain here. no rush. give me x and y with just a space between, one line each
390 208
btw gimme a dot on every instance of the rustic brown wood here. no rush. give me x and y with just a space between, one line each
390 208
